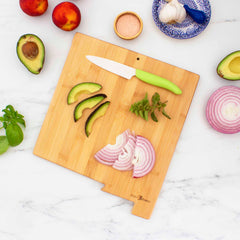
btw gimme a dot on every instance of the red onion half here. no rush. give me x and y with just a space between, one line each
109 154
144 157
223 109
124 161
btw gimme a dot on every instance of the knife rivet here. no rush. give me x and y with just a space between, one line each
138 58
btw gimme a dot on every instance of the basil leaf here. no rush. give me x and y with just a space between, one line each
3 144
5 125
14 134
21 121
7 112
11 108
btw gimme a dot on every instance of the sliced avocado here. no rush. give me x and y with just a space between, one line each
87 103
31 52
97 113
229 67
85 87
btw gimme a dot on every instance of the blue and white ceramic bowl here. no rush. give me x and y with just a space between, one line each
188 28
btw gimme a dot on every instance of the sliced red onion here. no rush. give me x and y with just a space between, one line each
109 154
144 157
223 109
124 161
129 153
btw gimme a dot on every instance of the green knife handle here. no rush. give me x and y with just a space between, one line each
157 81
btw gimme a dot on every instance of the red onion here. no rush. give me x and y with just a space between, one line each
124 161
223 109
109 154
144 157
129 153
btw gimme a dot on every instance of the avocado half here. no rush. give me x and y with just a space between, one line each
229 67
31 52
97 113
87 103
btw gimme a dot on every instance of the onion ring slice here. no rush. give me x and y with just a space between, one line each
124 161
109 154
223 110
144 157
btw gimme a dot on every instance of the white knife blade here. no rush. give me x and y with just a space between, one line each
128 72
112 66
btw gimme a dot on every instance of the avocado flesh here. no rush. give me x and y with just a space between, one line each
81 88
87 103
97 113
31 52
229 67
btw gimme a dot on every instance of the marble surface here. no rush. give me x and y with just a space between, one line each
200 198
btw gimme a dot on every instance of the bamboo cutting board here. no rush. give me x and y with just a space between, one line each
64 142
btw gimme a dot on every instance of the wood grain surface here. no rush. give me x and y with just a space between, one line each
62 141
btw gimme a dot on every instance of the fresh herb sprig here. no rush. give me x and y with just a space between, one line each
10 122
143 107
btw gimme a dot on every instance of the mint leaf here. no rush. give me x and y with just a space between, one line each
165 114
153 116
155 98
143 107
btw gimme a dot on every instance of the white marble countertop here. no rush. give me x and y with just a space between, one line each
200 198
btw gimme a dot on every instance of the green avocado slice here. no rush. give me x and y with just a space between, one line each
229 67
84 87
31 52
97 113
87 103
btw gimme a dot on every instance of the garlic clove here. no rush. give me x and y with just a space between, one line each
181 14
167 13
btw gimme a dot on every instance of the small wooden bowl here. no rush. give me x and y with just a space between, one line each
131 21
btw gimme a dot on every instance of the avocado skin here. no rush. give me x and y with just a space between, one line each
40 57
228 75
95 115
96 98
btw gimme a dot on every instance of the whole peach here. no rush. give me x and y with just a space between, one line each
66 16
34 7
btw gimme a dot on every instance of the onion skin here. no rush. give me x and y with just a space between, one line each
223 110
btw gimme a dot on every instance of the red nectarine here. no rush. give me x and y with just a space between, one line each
34 7
66 16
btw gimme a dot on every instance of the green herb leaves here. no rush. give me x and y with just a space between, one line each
3 144
142 108
14 134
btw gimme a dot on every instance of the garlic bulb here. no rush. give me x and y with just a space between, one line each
172 11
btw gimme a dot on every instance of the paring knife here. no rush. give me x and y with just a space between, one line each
128 72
